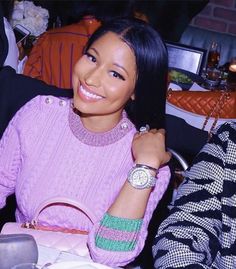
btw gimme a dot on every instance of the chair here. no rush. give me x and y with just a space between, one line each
179 166
179 158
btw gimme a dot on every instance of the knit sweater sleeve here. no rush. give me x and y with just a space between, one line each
125 230
10 161
191 236
11 149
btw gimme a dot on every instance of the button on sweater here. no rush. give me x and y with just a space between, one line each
46 152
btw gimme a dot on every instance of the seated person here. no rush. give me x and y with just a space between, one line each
55 53
16 90
88 149
200 229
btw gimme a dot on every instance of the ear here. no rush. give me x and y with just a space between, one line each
132 97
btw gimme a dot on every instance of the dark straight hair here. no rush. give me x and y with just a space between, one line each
152 69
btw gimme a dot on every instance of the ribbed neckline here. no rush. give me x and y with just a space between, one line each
98 139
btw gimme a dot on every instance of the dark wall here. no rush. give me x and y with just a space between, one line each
171 18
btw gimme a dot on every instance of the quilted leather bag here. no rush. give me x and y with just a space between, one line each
69 240
215 104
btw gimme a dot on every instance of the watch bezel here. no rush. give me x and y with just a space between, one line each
150 182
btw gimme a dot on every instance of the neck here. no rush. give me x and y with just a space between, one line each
99 123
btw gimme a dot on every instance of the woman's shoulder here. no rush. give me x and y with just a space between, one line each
220 148
224 138
45 101
68 31
226 131
43 105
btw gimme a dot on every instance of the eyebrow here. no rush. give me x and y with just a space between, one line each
116 64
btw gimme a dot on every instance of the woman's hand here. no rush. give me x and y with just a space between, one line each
149 148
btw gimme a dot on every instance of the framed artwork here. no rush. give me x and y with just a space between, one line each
186 57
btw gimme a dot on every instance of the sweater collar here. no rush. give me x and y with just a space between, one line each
98 139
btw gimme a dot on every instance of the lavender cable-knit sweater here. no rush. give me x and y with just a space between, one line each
46 152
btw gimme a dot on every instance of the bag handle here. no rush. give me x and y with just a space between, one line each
217 108
67 201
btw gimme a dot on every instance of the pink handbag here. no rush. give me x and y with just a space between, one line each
69 240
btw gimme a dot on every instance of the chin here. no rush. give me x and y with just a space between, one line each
82 108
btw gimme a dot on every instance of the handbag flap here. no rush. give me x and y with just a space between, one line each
213 104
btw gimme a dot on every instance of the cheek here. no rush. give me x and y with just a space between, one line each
122 93
77 68
76 74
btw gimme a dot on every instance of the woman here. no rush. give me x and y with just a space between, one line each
89 149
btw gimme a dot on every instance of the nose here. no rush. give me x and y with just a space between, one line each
93 77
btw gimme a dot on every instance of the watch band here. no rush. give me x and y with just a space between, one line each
146 166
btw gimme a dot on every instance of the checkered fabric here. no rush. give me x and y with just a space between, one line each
200 231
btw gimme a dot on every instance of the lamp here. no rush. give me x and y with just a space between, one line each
232 71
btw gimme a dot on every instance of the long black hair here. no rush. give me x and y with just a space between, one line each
152 69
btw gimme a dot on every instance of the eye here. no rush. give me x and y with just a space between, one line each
90 57
117 75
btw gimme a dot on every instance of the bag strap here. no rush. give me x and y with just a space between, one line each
217 108
67 201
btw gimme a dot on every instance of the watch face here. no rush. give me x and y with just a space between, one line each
139 178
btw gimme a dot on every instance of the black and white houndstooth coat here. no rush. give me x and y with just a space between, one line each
200 231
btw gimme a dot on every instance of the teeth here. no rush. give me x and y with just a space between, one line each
89 94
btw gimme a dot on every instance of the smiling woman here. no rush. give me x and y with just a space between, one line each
88 149
103 81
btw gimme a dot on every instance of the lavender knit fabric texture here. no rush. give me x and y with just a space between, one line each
47 152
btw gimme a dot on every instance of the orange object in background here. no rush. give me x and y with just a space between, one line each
55 53
213 58
213 55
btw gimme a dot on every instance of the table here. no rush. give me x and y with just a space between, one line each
65 260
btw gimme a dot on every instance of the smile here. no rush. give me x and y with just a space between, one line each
88 94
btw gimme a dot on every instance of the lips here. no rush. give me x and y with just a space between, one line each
88 94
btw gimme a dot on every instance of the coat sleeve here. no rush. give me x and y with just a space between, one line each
189 237
118 252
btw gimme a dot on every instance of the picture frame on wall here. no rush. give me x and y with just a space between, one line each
186 57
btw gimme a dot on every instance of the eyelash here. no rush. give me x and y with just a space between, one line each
91 57
117 75
94 60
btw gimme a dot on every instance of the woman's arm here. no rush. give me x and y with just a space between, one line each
10 160
148 149
192 235
121 234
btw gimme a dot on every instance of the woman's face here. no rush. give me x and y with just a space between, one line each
104 78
